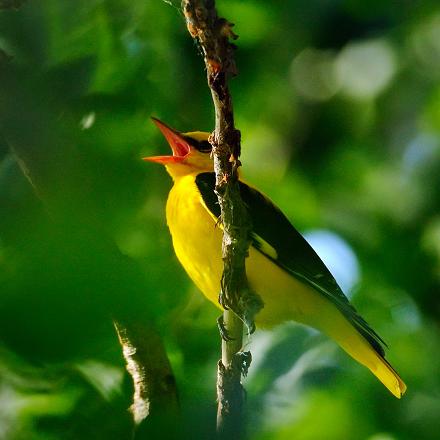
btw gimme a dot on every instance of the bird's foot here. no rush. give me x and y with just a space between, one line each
251 304
246 307
223 330
223 301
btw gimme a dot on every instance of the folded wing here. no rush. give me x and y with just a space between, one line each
274 236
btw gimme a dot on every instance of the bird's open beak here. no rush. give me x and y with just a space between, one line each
178 144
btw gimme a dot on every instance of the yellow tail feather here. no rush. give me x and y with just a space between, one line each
285 297
360 350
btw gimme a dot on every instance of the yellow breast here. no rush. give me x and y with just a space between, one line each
197 243
196 238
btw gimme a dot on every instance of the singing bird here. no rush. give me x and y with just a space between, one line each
282 267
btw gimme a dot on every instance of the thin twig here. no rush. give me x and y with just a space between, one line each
213 35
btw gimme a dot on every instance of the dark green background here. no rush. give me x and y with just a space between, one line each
339 107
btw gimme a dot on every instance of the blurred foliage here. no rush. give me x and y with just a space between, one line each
339 107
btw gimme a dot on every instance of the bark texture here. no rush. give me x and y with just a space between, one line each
214 35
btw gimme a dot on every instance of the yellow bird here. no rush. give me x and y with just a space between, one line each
282 268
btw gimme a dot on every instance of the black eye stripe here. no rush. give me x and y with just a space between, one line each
202 146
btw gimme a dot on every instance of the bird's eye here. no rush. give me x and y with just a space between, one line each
204 147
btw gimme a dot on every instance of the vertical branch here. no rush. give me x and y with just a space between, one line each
240 305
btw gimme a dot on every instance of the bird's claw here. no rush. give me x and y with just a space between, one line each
222 300
223 330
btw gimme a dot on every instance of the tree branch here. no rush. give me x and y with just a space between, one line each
154 384
50 162
213 35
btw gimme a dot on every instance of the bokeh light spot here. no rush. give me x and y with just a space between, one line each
313 75
337 255
366 68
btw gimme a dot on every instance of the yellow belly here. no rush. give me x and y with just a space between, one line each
197 243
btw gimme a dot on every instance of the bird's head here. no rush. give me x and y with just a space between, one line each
191 151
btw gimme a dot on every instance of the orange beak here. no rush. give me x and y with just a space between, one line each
178 144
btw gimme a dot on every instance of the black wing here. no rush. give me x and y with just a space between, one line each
273 235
